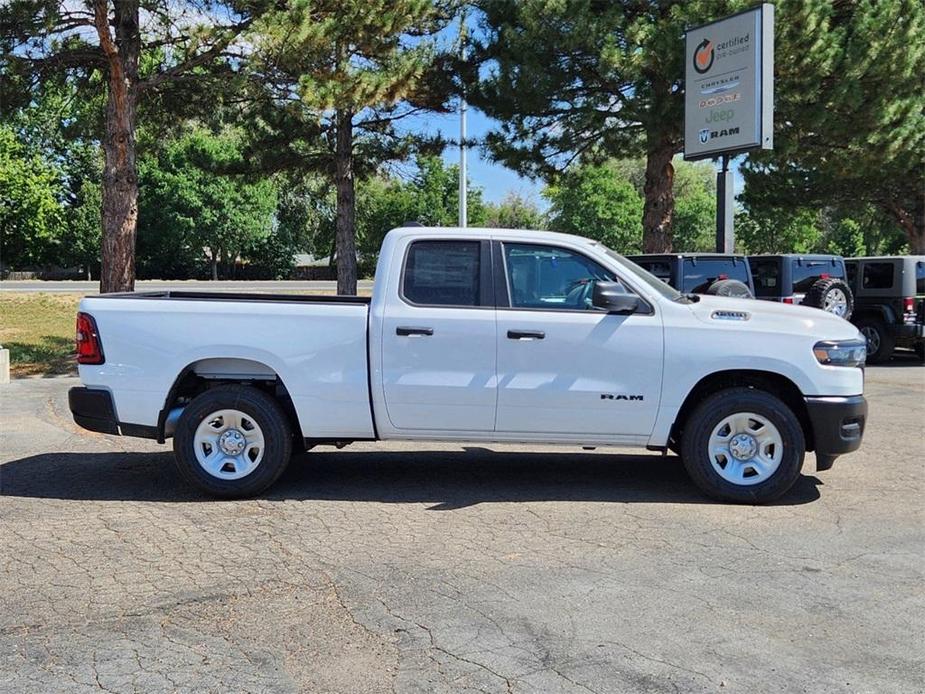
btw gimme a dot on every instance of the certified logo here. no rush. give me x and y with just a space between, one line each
703 56
704 136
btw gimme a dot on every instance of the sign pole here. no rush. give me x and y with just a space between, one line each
725 232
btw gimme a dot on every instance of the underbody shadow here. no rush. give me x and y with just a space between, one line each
445 480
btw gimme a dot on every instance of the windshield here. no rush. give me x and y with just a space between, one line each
638 273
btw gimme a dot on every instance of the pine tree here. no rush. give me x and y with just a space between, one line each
851 112
334 77
584 79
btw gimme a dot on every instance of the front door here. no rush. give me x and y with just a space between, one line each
438 345
563 366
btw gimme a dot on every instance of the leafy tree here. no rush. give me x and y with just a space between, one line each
779 231
515 212
192 212
593 200
79 240
429 197
31 215
176 41
850 112
334 78
578 78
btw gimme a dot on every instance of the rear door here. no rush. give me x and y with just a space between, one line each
564 367
438 344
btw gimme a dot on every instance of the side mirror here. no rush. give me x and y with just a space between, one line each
613 298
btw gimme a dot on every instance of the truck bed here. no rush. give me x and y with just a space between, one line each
315 345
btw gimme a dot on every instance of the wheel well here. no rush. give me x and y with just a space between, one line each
773 383
204 374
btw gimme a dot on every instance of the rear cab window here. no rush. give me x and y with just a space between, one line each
920 277
443 273
807 272
700 273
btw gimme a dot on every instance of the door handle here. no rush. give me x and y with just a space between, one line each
407 332
525 334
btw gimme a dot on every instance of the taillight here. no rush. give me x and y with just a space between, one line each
787 299
909 309
89 347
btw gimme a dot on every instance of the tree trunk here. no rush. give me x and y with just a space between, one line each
659 196
912 222
120 180
345 229
214 265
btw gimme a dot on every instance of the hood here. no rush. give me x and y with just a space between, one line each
773 316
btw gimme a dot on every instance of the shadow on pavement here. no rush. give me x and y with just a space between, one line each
446 479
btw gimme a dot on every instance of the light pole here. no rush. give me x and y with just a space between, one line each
463 220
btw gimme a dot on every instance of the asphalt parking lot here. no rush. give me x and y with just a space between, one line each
439 568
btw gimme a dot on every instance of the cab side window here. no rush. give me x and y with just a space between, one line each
443 273
552 278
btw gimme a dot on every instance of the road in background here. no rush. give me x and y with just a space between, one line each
262 286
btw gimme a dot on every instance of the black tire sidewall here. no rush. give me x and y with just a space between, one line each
710 413
887 342
268 415
815 297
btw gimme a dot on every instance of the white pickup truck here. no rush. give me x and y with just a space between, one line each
477 335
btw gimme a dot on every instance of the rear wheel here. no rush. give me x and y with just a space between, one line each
743 445
880 343
232 441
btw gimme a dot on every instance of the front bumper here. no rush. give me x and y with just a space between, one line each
838 423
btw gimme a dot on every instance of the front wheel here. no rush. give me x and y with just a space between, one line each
743 445
232 441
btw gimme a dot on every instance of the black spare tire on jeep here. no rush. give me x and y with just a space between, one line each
733 288
832 295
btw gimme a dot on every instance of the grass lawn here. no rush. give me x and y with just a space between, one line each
38 329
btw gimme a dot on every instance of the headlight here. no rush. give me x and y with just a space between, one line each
841 352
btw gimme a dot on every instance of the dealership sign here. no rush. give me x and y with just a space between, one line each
729 85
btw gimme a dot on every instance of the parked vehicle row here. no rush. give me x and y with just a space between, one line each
478 335
819 281
883 296
889 296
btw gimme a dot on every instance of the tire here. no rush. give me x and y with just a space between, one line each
832 295
920 351
779 446
242 431
733 288
880 342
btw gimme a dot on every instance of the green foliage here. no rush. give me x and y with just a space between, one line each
191 212
594 201
515 212
850 112
778 231
31 215
429 197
